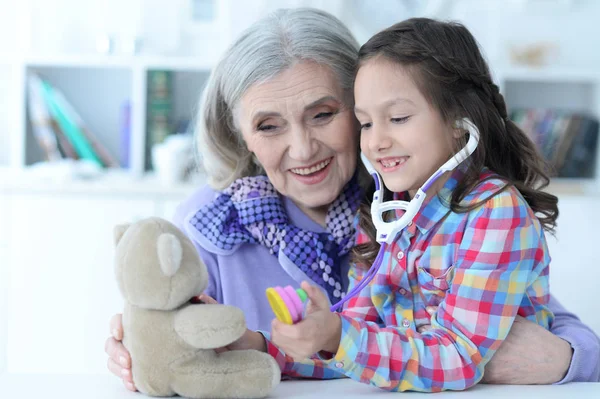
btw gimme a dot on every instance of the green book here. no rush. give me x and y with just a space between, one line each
159 110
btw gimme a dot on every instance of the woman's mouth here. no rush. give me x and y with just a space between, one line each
313 174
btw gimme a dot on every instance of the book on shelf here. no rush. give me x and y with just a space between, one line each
568 141
62 125
66 148
42 123
101 153
125 129
159 110
582 153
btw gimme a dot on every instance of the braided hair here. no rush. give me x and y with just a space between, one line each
445 61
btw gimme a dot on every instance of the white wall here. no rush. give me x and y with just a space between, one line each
575 265
4 278
7 107
74 25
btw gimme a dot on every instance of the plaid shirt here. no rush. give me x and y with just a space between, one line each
481 268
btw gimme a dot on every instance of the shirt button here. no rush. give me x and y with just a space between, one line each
339 365
405 323
402 291
400 255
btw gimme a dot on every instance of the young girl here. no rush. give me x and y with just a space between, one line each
475 249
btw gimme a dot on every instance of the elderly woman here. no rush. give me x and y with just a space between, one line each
279 144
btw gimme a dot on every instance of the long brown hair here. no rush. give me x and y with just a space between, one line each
444 60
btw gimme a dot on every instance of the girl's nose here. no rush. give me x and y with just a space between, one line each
377 139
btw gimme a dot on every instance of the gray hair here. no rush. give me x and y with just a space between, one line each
267 48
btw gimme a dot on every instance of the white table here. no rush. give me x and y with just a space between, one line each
17 386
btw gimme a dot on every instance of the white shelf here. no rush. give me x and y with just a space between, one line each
552 74
576 89
195 63
175 63
98 86
111 183
574 187
79 61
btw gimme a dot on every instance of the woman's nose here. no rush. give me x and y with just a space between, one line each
303 145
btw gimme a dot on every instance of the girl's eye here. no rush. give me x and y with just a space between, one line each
365 126
400 120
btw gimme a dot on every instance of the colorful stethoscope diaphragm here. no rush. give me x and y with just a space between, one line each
287 303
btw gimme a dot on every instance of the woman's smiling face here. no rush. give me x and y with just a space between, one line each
303 134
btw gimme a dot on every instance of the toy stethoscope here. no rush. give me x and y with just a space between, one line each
288 304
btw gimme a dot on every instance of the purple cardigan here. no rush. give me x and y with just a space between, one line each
241 278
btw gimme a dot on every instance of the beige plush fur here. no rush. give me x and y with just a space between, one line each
171 340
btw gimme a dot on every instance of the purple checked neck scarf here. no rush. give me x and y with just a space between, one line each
251 211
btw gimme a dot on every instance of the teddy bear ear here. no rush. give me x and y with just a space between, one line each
170 253
119 231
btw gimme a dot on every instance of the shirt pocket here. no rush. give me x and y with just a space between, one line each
433 289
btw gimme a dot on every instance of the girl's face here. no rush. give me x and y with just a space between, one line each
303 135
405 139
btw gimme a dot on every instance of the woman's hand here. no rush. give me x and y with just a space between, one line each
320 330
119 360
530 355
250 340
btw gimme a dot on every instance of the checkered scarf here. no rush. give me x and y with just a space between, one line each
251 211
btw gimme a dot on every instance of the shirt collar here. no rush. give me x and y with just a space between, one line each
437 207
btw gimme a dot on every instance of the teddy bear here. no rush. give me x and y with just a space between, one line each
171 338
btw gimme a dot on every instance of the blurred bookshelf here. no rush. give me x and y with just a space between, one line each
106 90
110 95
559 109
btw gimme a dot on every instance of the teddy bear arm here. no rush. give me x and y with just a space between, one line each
210 326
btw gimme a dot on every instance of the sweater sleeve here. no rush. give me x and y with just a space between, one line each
585 363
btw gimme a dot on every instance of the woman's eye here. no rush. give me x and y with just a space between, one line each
365 126
323 115
399 120
266 128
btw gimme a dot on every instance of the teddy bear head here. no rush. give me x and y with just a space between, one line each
156 265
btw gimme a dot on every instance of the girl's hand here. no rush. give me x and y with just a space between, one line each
320 330
119 360
529 355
